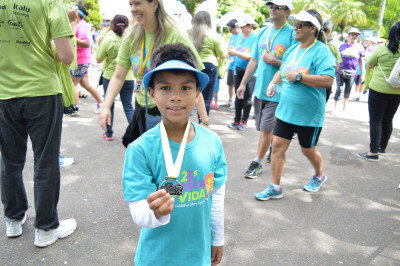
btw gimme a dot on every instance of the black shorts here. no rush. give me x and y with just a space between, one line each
229 80
308 136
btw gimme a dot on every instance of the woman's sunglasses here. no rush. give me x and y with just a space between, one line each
271 7
299 25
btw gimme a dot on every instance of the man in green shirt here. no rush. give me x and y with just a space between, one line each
31 105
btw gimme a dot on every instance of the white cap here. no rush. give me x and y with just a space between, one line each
354 30
305 16
245 21
287 3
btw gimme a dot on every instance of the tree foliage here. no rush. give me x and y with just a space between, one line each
93 8
191 5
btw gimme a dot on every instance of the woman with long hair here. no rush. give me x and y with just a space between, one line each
210 47
107 54
153 27
383 99
307 69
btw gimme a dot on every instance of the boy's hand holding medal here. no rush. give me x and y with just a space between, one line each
161 203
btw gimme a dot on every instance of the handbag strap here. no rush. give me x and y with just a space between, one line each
382 71
146 106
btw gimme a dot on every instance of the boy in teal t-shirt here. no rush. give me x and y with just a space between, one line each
192 221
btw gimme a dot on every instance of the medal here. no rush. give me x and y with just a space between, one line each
171 183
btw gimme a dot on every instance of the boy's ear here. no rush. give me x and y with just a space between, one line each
151 93
198 91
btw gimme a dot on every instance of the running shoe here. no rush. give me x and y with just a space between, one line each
254 170
233 124
315 184
269 193
242 125
381 152
216 107
365 156
98 109
64 161
108 138
211 106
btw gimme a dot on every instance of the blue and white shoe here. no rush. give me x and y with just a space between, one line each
269 193
315 184
64 161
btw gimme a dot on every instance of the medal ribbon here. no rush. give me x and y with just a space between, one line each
269 45
294 63
144 62
173 169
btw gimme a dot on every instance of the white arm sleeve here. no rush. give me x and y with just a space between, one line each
217 216
143 216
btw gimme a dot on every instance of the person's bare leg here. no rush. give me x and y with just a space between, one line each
344 103
315 159
92 90
231 91
279 147
76 80
263 143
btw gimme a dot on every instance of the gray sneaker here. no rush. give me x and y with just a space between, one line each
14 228
46 238
254 170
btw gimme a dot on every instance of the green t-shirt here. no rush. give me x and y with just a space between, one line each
108 53
128 58
335 51
211 48
387 60
27 62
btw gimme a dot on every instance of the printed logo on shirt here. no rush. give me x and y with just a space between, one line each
1 23
277 51
288 68
5 41
21 10
135 63
195 191
23 42
15 24
4 7
350 52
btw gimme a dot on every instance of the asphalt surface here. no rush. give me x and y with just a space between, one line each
353 220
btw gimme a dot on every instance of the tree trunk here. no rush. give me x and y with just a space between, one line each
380 19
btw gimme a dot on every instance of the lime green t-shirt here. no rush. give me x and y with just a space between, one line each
131 59
108 53
335 51
27 63
211 48
387 60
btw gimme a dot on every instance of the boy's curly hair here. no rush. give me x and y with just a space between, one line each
172 51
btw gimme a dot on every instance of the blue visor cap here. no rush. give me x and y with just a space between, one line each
176 64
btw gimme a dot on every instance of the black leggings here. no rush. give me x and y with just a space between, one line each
382 108
245 103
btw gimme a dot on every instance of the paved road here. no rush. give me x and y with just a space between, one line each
353 220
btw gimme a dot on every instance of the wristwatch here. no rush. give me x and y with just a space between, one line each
298 77
201 121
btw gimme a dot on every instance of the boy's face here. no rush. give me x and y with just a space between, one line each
175 95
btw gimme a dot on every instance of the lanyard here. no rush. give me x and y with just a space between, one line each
144 62
294 63
173 169
269 45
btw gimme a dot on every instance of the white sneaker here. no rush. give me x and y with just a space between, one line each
98 109
14 228
46 238
65 161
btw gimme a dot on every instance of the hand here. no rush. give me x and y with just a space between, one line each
267 57
105 118
161 203
231 51
291 75
270 91
216 255
240 92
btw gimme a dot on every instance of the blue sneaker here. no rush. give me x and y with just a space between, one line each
269 193
315 184
64 161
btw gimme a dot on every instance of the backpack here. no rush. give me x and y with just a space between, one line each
394 78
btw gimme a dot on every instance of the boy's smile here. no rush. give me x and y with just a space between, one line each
175 95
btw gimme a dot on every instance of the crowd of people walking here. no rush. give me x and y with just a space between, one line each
288 66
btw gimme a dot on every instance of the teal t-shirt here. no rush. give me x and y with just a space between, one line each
188 234
301 104
281 43
108 52
131 59
244 45
27 63
231 43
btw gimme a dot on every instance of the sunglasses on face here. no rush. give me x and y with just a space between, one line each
353 34
230 29
271 7
299 25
